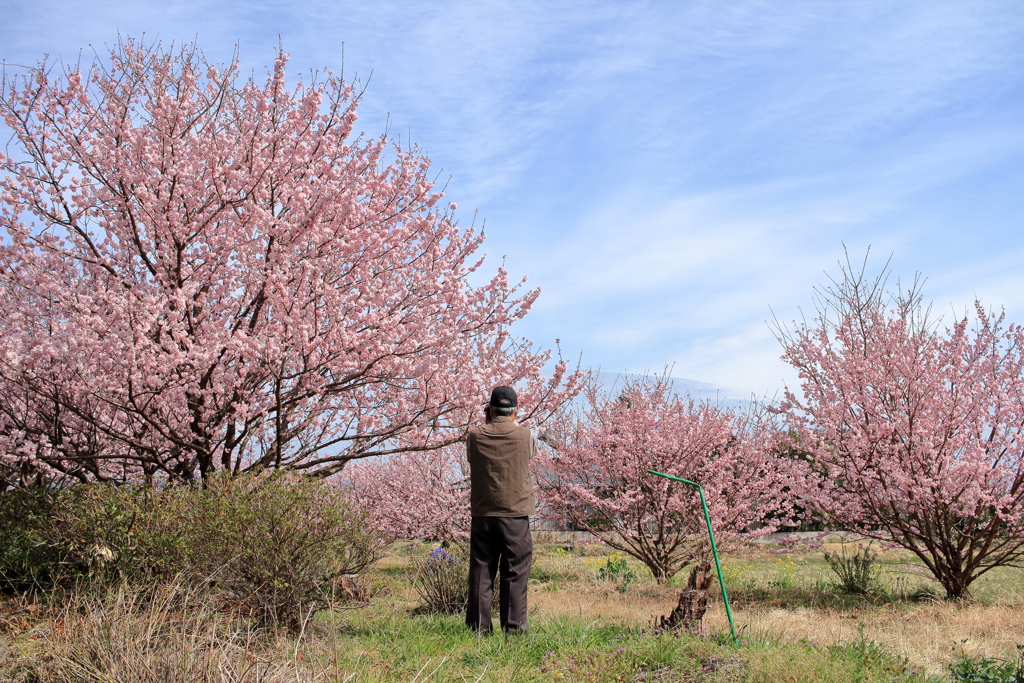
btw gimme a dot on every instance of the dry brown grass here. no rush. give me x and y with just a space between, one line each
174 635
924 632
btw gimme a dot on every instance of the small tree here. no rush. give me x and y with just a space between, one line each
596 476
913 431
413 495
202 273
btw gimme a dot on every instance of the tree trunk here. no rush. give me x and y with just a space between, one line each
955 583
657 570
693 602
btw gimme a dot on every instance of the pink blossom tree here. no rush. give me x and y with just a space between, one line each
200 272
596 475
423 495
913 430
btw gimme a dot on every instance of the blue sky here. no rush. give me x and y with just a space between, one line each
669 173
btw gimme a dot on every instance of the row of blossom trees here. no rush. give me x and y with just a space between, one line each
592 473
905 430
201 273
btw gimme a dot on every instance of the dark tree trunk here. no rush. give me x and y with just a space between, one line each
693 602
956 584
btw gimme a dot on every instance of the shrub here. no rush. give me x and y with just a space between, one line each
111 533
857 573
617 569
29 559
275 544
984 670
442 580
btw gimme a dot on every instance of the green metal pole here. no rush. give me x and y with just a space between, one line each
714 549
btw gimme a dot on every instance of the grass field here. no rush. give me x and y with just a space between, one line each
790 599
793 626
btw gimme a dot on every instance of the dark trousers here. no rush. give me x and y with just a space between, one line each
495 543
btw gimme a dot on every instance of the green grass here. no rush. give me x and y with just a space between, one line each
386 643
382 644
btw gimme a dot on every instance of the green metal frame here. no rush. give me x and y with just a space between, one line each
714 549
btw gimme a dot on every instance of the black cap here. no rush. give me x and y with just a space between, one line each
504 397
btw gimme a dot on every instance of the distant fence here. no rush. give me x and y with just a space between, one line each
574 537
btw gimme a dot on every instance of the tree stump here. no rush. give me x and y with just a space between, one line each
693 602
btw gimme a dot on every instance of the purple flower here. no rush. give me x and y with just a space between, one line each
439 556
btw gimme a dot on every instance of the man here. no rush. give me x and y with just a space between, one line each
501 502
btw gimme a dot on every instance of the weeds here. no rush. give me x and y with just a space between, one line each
857 573
965 669
784 579
587 668
617 569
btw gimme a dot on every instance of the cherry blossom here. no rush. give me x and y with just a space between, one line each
202 272
912 429
420 495
596 476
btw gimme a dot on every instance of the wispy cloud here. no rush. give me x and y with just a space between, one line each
667 171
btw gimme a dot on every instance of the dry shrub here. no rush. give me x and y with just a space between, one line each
357 590
858 572
172 634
